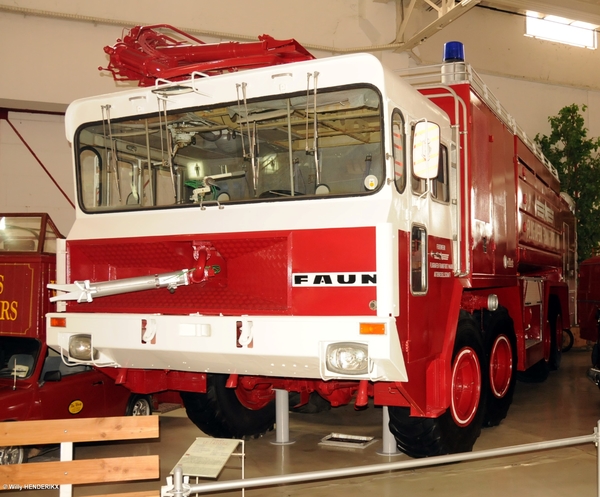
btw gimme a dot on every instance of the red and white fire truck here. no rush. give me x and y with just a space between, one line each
324 226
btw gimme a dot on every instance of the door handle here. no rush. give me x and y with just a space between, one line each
96 383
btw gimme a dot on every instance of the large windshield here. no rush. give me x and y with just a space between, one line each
282 148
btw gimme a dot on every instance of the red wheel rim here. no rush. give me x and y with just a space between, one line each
501 366
466 386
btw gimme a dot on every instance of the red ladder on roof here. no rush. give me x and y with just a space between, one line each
146 54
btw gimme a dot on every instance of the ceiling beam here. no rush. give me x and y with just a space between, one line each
447 11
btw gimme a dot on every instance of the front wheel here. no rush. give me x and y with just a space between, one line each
13 455
243 412
458 428
139 405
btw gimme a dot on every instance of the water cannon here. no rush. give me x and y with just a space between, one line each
454 69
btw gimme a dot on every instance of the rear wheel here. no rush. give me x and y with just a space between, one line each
231 412
458 428
501 352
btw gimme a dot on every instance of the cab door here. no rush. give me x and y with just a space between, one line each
430 253
431 249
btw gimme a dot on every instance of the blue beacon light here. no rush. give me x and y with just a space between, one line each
454 51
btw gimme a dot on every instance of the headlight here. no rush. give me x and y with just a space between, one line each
80 348
348 358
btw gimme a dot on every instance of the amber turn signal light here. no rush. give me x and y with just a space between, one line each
372 328
58 322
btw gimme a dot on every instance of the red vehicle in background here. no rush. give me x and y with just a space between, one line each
588 310
34 381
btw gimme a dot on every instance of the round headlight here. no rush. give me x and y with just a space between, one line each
80 348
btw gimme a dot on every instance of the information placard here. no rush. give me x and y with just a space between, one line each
206 457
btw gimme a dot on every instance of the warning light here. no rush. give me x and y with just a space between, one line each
58 322
454 51
372 328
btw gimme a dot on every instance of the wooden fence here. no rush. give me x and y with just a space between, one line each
68 472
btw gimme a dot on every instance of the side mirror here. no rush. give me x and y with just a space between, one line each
426 150
52 376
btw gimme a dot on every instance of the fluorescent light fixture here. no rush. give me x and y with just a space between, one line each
561 30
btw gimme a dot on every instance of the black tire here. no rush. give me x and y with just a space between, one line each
555 320
139 405
568 340
13 455
500 345
220 413
459 427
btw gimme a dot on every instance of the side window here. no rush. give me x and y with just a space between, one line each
440 187
398 150
418 259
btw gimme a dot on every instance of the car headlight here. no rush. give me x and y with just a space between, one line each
348 358
80 348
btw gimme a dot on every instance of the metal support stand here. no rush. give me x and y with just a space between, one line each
282 418
389 442
178 482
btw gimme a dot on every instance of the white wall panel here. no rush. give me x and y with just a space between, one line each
25 186
532 103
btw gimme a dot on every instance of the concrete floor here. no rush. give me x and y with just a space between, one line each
566 405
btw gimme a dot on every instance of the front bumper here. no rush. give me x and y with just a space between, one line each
289 346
